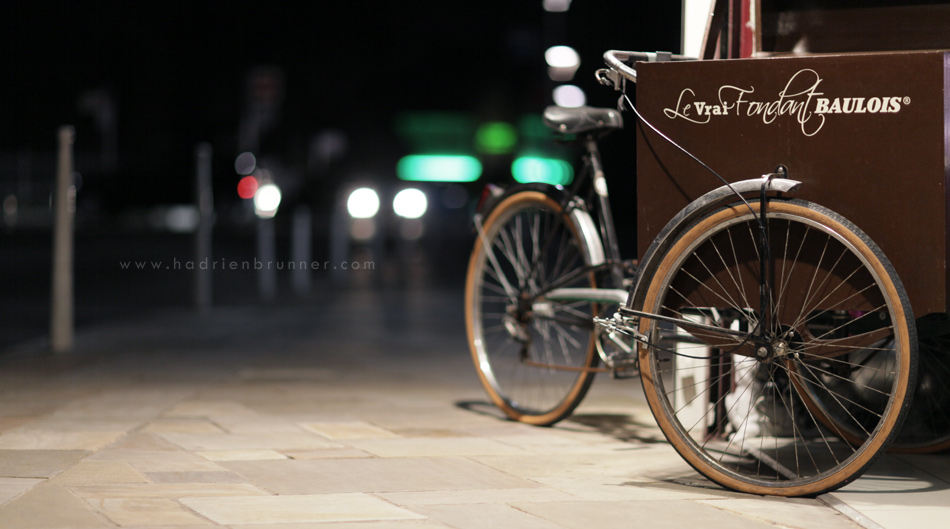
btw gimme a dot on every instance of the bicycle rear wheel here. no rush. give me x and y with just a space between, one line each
534 357
731 403
927 426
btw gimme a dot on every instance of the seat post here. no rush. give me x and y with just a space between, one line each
608 231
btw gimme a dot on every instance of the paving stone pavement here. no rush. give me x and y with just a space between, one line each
360 411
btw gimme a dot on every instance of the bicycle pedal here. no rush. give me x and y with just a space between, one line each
623 374
628 367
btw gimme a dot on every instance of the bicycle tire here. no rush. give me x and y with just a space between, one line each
737 417
533 368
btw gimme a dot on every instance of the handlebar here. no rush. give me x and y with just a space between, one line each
618 62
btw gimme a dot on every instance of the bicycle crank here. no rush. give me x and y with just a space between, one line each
623 361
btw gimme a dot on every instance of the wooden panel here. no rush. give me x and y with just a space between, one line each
787 29
865 133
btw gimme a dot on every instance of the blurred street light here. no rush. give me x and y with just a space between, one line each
266 200
245 163
410 203
556 6
569 95
247 187
562 61
363 203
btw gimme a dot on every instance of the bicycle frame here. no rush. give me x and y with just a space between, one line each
594 171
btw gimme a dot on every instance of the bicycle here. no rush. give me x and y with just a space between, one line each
773 339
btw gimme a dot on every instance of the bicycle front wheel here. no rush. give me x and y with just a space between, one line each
731 395
534 357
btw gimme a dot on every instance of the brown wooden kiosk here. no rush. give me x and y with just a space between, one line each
855 103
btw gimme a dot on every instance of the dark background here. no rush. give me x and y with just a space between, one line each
175 74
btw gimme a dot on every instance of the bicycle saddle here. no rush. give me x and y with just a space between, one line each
582 119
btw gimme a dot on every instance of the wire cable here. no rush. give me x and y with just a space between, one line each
632 107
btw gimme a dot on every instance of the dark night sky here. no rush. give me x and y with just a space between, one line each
177 68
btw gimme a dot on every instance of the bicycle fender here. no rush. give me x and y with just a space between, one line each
588 232
589 236
495 194
692 212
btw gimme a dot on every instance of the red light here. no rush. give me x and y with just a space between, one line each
247 187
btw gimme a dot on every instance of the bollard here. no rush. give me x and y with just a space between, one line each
204 202
266 252
301 252
339 238
64 203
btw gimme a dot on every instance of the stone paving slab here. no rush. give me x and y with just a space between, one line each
129 512
586 514
897 517
459 497
24 463
348 430
182 426
606 488
227 441
436 447
50 506
250 454
414 523
795 513
166 490
194 477
902 490
94 472
289 508
488 516
158 460
330 453
375 475
41 439
13 487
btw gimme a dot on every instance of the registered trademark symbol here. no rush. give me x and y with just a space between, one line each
906 100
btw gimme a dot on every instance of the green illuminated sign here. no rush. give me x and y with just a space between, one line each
438 168
496 137
528 169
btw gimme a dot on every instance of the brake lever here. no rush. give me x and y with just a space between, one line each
609 77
